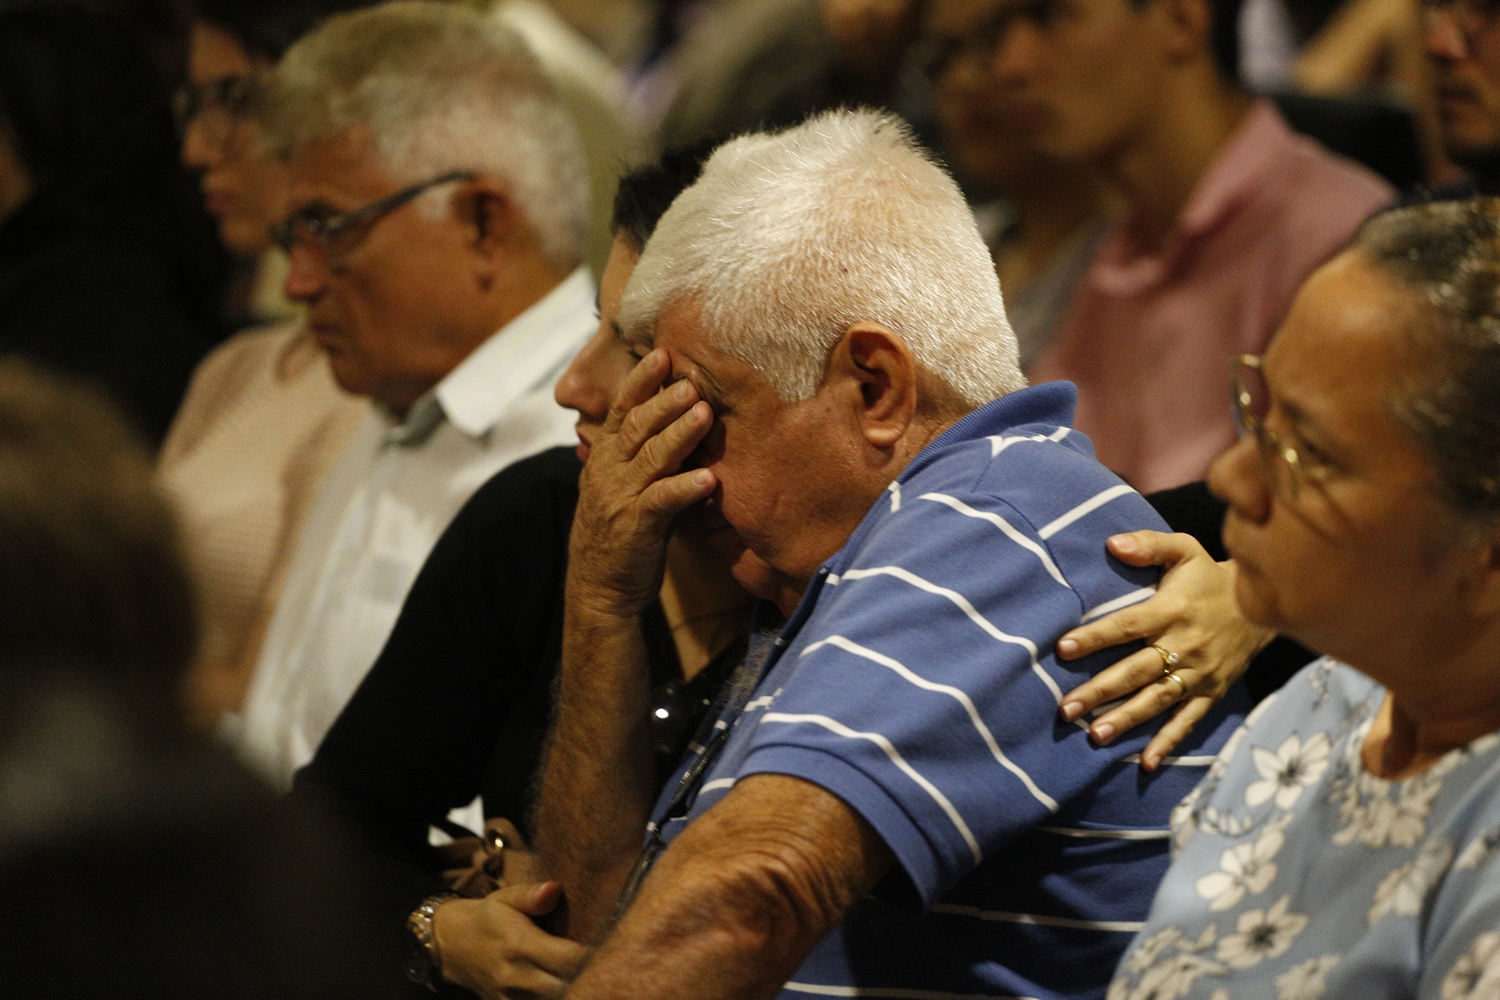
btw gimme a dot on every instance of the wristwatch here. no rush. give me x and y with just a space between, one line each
422 964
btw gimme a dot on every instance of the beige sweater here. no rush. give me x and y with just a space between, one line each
260 425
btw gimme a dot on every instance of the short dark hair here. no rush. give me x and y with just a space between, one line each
90 569
645 194
1448 253
267 28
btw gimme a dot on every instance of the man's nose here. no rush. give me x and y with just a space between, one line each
1240 478
308 275
577 391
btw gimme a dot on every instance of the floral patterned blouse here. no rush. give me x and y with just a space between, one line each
1298 875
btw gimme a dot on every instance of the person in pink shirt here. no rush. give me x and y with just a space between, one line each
1227 211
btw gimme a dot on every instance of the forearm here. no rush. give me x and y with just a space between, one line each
599 778
740 898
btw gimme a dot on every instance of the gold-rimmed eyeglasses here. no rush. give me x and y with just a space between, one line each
1252 401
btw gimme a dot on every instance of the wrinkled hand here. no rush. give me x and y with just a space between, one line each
1194 614
491 946
631 490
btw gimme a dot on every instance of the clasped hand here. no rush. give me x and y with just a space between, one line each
632 489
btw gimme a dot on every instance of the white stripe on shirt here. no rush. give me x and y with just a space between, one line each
1124 601
968 609
999 444
1088 834
1087 507
889 993
838 728
1004 526
954 693
1122 926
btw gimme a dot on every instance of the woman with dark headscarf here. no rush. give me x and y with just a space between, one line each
107 268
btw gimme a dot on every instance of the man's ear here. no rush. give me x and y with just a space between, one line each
881 375
485 206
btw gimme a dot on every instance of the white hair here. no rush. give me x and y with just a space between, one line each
788 239
439 87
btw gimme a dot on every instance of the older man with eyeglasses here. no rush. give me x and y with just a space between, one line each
438 214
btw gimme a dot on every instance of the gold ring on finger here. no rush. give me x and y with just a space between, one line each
494 841
1169 659
1172 676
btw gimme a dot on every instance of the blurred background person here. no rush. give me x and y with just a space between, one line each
263 417
201 884
107 266
439 212
1226 212
1051 213
1462 43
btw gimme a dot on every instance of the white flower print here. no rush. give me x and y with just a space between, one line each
1404 890
1305 980
1375 819
1284 774
1145 956
1478 849
1476 974
1242 868
1173 977
1261 934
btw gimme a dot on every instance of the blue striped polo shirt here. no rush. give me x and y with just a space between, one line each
916 681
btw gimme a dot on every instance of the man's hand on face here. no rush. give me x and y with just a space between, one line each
631 490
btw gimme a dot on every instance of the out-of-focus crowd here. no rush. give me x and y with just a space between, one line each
916 499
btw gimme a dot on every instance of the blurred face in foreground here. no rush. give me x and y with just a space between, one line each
243 189
1347 546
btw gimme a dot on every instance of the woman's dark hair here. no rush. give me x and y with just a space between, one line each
267 28
1448 253
90 570
645 194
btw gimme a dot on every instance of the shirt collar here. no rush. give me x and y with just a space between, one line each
1244 165
519 357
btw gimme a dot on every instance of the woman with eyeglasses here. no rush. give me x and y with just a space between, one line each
263 418
1343 844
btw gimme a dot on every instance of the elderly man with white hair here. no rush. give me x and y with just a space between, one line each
886 803
439 208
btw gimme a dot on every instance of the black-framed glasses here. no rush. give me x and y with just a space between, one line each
216 107
1252 402
937 55
334 236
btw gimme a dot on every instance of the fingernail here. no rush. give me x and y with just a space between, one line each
1072 710
1103 732
702 477
683 389
1123 543
1067 647
1149 761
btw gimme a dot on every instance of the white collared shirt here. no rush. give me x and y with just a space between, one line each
380 511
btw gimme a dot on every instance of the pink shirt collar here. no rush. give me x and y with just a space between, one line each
1237 173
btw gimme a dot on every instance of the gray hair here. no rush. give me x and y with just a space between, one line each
439 87
788 239
1448 253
